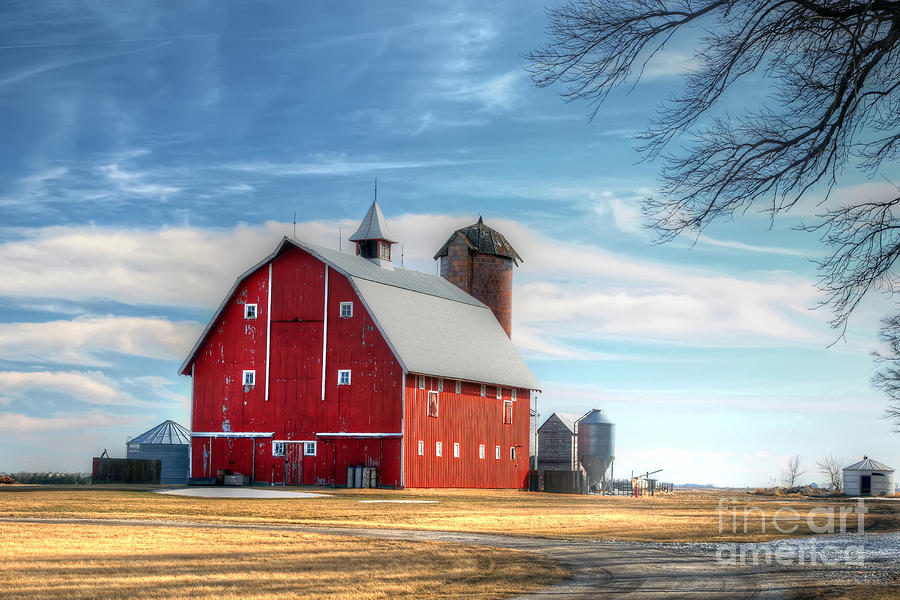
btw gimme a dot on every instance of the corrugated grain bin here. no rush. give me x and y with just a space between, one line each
868 478
168 443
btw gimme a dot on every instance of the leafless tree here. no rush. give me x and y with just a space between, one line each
791 473
830 466
887 378
834 66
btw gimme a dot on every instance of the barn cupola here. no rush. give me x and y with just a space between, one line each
479 261
373 238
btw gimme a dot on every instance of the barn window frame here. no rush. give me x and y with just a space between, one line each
421 382
251 311
342 380
440 385
497 452
309 448
512 394
277 449
439 449
458 386
512 453
346 310
483 391
248 378
455 449
421 447
499 393
432 405
507 412
481 451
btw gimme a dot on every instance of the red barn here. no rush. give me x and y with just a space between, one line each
318 360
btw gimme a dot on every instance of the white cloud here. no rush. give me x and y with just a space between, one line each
625 212
135 182
81 340
91 387
666 63
496 93
158 386
16 423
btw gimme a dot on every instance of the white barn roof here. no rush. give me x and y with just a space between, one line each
432 326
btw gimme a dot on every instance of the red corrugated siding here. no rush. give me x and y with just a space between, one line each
295 410
470 420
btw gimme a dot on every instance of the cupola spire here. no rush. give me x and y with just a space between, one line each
373 238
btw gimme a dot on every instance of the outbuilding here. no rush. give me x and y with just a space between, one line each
169 443
868 478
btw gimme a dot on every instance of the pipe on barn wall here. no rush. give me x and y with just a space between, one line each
325 333
268 328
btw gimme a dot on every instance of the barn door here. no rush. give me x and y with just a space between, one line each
293 464
865 485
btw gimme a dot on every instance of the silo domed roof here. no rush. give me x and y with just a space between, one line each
481 238
167 433
867 464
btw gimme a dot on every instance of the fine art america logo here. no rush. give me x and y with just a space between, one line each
786 520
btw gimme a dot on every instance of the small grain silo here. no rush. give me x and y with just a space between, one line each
169 443
597 448
868 478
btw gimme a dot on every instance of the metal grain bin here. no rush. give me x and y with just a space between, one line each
596 447
168 443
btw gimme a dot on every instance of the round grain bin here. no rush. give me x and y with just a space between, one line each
596 447
168 443
868 478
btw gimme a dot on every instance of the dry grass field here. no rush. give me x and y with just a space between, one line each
46 561
682 516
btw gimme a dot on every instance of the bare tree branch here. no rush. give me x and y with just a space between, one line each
835 68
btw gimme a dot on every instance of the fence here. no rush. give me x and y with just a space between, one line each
125 470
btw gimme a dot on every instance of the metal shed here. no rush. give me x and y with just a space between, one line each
169 443
868 478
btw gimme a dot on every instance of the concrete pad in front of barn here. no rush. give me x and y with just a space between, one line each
239 492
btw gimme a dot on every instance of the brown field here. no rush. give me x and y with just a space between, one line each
682 516
44 561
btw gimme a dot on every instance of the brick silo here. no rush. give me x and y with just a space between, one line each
479 261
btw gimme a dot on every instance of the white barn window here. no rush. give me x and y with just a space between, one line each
344 377
421 448
499 392
455 449
421 382
309 448
250 311
481 451
249 378
483 390
440 385
438 449
497 452
512 453
512 393
459 387
277 448
346 310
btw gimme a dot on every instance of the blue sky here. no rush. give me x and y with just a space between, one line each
150 152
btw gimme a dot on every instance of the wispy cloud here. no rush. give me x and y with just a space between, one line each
90 387
705 239
16 424
83 340
334 165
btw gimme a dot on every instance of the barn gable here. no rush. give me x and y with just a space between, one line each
432 327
